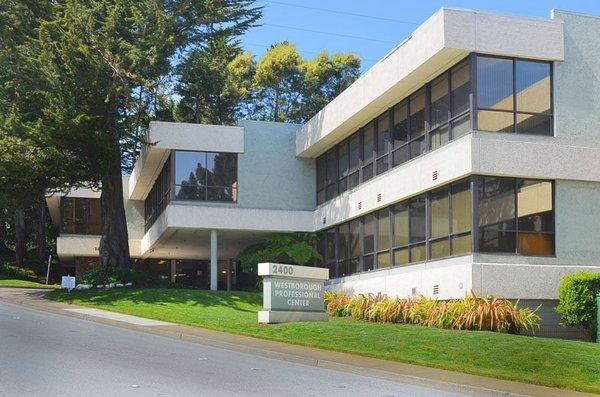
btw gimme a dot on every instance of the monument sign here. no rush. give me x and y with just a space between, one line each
292 293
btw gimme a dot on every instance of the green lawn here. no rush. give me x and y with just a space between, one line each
550 362
24 283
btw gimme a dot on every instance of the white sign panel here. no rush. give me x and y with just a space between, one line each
67 282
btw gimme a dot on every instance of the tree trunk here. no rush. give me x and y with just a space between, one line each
114 243
41 229
20 237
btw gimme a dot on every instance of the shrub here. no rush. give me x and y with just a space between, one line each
15 272
106 275
469 313
577 300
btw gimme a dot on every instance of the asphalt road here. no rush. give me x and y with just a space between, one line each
48 354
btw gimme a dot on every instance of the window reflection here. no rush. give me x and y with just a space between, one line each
514 95
205 176
80 215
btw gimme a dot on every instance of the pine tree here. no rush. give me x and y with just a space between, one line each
102 62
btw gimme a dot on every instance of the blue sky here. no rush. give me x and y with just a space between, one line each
372 28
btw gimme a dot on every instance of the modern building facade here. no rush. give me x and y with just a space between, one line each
467 159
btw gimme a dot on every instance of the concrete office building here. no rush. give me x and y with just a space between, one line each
468 158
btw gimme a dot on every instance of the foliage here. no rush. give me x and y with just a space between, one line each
469 313
16 272
102 275
288 88
205 84
577 300
292 248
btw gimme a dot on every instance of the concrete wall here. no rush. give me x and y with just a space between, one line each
577 79
269 173
577 217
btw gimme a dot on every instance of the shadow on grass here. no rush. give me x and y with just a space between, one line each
234 300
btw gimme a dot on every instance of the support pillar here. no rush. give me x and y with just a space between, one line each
173 270
214 269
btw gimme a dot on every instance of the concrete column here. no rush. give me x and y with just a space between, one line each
173 270
214 268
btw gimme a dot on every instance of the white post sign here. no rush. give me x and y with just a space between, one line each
292 293
67 282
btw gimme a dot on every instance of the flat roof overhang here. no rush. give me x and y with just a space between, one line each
179 216
166 136
444 39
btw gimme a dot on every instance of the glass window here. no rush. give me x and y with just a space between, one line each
495 83
344 241
439 205
440 101
354 148
190 168
537 124
439 137
343 159
355 238
330 247
332 166
368 234
207 176
400 124
535 218
81 215
461 126
461 208
401 237
417 114
383 230
400 256
321 172
221 169
417 219
368 142
521 104
495 121
460 80
532 86
383 260
383 133
515 215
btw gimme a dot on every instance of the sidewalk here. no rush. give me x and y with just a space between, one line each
390 370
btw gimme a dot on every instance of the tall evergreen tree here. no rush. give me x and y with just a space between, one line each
102 61
202 85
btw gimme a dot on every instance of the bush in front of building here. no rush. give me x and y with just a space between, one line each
103 275
18 273
577 301
469 313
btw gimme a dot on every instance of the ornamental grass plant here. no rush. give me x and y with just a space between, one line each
469 313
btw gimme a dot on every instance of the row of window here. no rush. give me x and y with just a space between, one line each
506 215
511 95
195 176
80 215
159 196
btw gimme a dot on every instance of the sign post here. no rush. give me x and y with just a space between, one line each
292 293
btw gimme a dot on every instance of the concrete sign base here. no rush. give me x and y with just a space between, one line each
292 293
273 317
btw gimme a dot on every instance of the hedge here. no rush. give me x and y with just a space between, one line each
577 300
